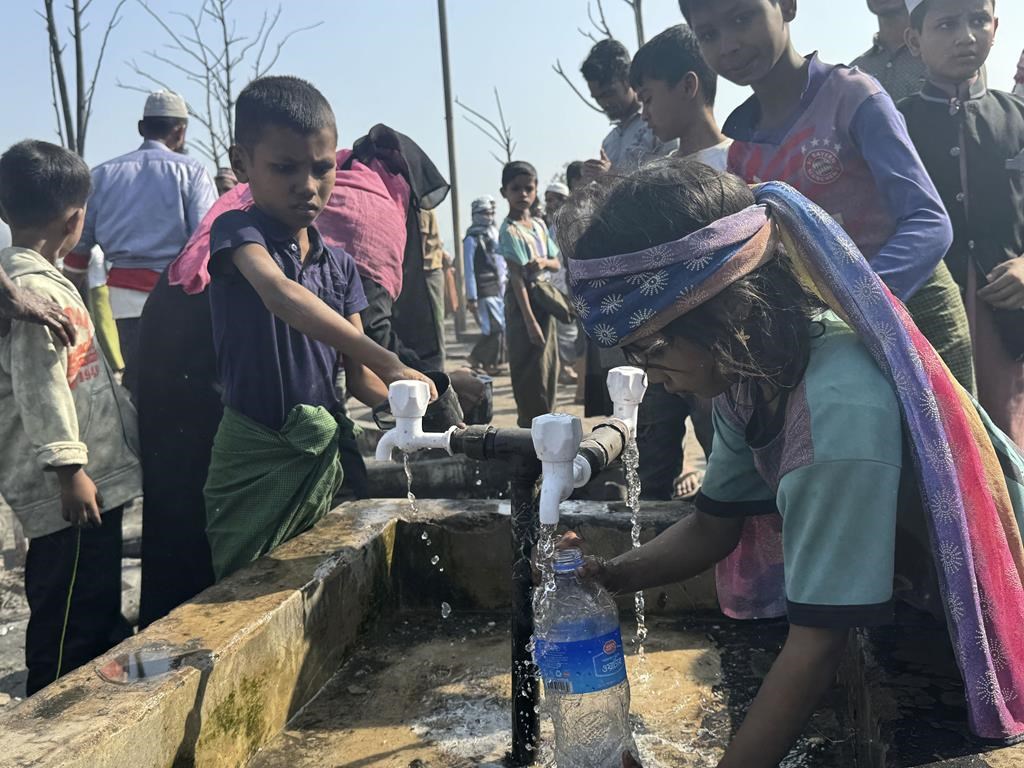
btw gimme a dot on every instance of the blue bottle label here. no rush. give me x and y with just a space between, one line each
582 666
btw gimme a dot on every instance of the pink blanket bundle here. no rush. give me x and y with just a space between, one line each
366 217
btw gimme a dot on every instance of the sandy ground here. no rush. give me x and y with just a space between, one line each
427 692
436 694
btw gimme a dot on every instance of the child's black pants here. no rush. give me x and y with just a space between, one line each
95 623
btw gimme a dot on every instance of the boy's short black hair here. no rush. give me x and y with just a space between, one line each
39 181
669 56
284 101
516 168
607 62
918 14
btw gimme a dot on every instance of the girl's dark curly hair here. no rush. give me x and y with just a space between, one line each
759 327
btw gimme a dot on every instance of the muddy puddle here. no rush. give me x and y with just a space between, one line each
430 693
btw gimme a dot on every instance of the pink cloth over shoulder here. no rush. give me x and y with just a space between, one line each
366 216
190 269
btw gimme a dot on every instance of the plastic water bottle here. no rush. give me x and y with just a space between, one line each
579 652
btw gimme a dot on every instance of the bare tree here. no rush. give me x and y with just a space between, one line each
601 31
500 133
73 106
209 52
638 18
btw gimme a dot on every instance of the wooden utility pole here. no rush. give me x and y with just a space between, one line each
449 120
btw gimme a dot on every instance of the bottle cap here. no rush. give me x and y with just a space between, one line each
568 560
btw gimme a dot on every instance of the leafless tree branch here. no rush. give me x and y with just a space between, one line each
557 66
57 58
56 103
638 16
500 133
115 20
209 53
280 46
600 23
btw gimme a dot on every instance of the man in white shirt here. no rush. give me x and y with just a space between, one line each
144 207
630 142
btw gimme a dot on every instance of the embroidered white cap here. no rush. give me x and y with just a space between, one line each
165 104
912 5
558 188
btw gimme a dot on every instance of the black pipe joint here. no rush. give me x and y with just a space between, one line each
604 446
483 443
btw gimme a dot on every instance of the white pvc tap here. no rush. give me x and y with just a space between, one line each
409 401
556 439
627 386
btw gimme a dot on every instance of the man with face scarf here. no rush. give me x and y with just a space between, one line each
486 276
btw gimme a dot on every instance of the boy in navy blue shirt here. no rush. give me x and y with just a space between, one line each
285 308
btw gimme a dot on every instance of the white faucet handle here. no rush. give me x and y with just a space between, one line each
627 384
409 399
556 437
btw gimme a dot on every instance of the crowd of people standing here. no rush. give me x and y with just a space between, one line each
828 285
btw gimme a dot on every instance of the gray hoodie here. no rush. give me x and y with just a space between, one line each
59 407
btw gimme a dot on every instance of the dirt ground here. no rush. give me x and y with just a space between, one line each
427 693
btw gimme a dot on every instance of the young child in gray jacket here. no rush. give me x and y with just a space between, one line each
68 435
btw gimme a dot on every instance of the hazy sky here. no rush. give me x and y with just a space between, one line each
379 61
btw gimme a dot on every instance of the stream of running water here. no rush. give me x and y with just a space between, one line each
631 460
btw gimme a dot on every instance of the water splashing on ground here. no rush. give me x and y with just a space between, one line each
631 459
414 514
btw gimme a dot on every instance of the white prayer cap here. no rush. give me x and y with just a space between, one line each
558 188
165 104
912 5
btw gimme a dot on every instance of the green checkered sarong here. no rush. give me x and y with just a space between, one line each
938 310
266 487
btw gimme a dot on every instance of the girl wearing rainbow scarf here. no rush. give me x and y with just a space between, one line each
831 411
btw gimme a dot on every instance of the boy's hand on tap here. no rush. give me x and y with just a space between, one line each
400 372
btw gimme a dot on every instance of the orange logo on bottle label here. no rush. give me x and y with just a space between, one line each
610 646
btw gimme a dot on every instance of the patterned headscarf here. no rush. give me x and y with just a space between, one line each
483 209
973 505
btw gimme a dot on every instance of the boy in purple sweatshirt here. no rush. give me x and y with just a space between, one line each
835 135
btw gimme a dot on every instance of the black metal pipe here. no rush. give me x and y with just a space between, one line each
601 448
525 689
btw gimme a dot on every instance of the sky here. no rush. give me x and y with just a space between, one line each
379 61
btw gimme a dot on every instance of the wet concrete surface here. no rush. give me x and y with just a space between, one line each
425 692
918 697
251 667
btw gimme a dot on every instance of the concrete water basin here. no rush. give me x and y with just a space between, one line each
333 652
